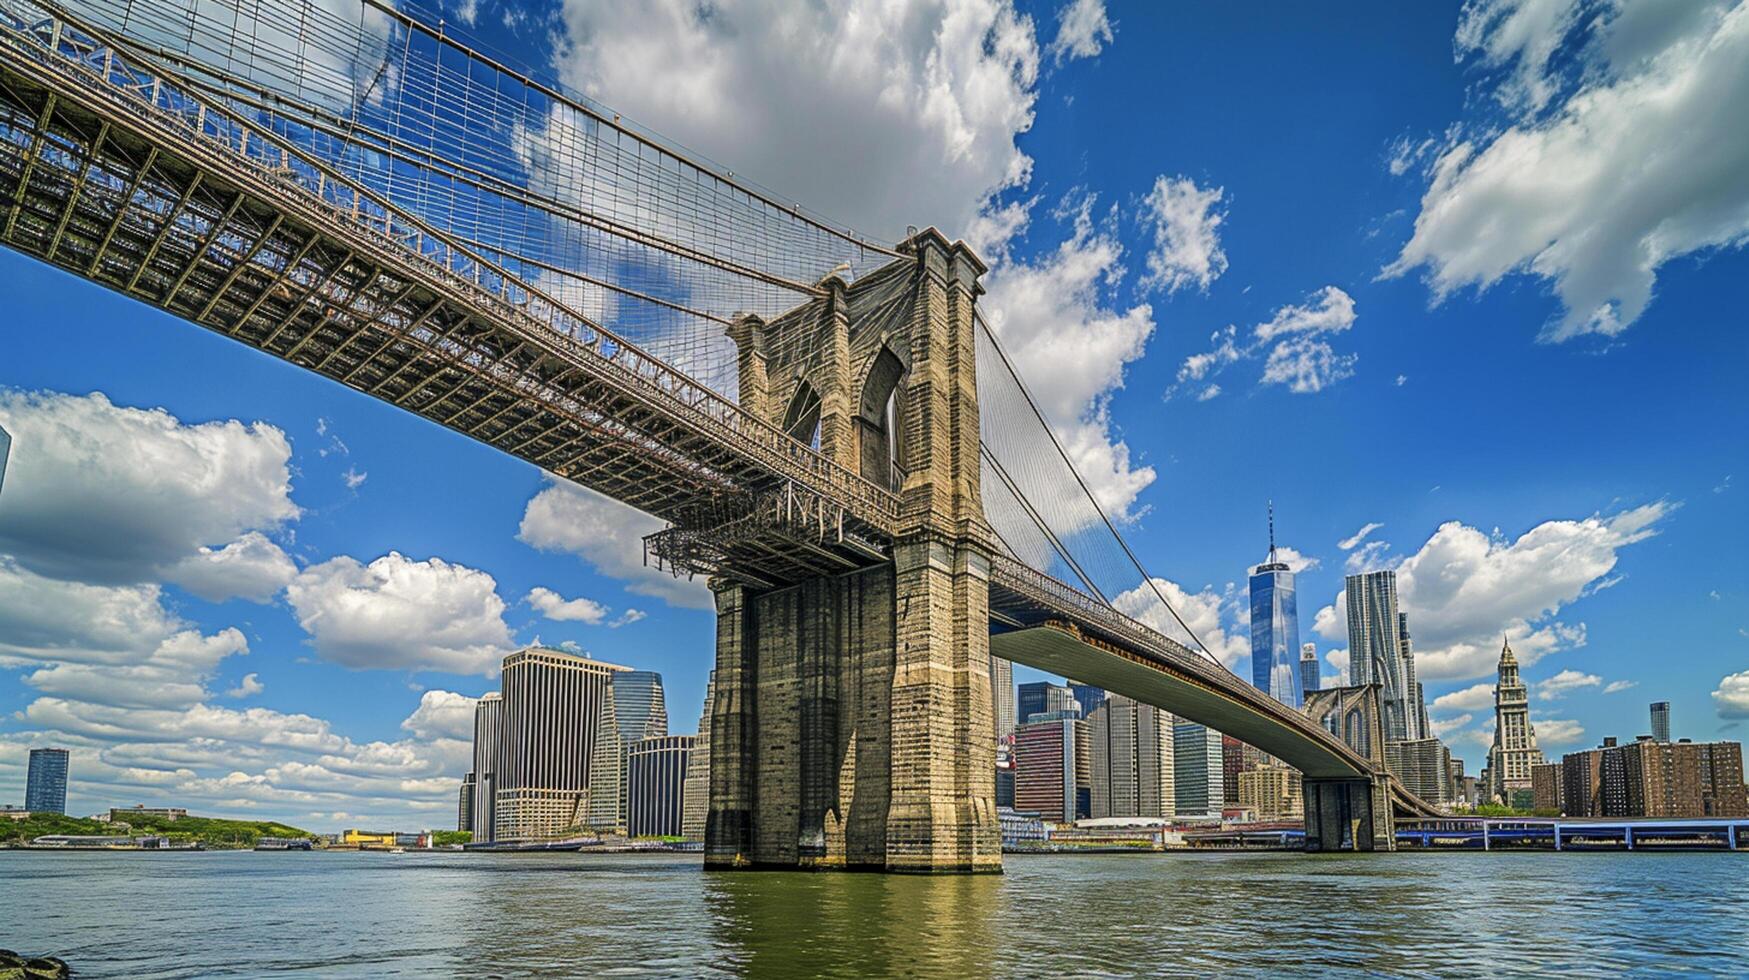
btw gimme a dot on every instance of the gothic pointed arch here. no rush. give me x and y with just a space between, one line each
881 420
802 418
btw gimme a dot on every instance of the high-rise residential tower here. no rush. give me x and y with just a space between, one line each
633 710
1515 750
1130 751
464 809
488 755
1311 675
552 714
45 783
1052 771
1375 649
1416 711
1275 628
1661 721
1002 696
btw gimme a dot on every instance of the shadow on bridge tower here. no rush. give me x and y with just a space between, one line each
851 707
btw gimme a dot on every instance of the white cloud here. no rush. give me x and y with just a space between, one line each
1292 344
1564 683
251 567
1370 556
1476 697
1339 659
1616 687
248 687
354 477
609 536
51 619
912 107
1217 618
1071 349
1292 558
1443 727
114 495
1083 30
558 608
1348 543
1464 589
172 676
442 714
1638 158
1732 695
627 618
404 614
1557 731
1186 227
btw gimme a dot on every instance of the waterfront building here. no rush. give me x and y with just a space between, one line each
1275 628
139 811
1455 769
488 755
1131 760
1514 751
1020 828
1238 757
1002 696
45 782
1311 674
1086 696
1375 649
1272 793
632 709
1052 772
1042 697
552 716
1661 720
656 785
464 807
1546 781
1198 769
1423 766
1649 778
1416 710
698 770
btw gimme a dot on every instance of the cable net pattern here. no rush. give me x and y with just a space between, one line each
631 233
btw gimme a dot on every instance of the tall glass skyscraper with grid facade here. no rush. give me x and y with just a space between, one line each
1275 629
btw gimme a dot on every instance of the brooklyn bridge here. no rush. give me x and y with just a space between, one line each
831 431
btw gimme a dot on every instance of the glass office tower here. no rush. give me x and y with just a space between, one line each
1275 629
45 784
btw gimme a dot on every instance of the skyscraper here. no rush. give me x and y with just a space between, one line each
1002 696
1051 768
45 784
1311 675
1661 721
1275 628
1416 711
552 714
1041 697
1198 770
698 770
1130 754
656 785
1514 751
488 754
464 809
632 710
1086 696
1375 648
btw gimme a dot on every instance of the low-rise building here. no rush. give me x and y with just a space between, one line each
1271 793
139 812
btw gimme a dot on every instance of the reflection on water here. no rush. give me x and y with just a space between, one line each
444 914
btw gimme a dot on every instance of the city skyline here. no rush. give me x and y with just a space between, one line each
267 656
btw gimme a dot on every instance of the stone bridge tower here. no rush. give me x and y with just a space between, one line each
849 727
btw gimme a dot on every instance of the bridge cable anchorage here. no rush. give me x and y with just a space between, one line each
1063 456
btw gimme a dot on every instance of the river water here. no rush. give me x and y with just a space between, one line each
246 914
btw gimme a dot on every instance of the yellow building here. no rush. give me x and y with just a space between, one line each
1271 793
360 838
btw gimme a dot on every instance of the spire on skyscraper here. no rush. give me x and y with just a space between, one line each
1272 532
1506 656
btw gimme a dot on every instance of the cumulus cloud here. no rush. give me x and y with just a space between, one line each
248 687
1558 731
1624 149
609 536
1339 659
1071 346
52 619
560 609
1293 344
1443 727
1476 697
402 614
878 113
1219 619
1465 588
1732 695
442 714
1292 558
1186 229
1083 30
1564 683
251 567
113 495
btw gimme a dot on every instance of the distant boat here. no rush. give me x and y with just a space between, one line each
397 850
522 847
283 844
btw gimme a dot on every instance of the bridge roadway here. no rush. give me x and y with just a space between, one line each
117 170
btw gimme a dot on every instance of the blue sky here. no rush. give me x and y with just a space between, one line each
1499 296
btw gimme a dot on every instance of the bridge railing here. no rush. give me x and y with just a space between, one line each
106 67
